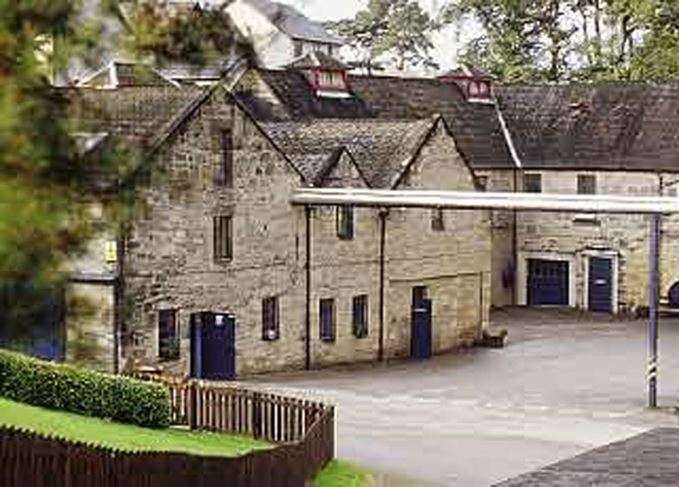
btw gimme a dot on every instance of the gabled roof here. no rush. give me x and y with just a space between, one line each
122 74
293 23
468 72
608 126
476 127
382 149
317 59
136 114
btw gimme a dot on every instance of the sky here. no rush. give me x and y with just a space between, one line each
446 42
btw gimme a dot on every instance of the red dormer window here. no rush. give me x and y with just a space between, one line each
328 81
475 85
326 75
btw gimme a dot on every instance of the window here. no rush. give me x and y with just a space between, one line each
437 220
482 182
168 339
532 183
586 184
360 316
224 176
327 319
223 237
270 313
299 48
345 222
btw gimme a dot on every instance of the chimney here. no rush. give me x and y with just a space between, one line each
476 85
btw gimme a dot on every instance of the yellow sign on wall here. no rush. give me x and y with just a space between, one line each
111 252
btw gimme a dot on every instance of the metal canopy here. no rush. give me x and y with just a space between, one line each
467 200
493 201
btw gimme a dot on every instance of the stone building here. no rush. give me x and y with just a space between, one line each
216 247
609 138
216 252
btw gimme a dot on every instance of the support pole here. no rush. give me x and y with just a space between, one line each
653 298
383 242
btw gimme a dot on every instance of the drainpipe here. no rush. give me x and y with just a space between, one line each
118 298
518 165
307 268
515 243
383 242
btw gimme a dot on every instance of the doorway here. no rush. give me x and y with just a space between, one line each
213 346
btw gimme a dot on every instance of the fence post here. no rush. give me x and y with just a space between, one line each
256 415
193 406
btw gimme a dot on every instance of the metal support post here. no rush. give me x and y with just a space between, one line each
653 298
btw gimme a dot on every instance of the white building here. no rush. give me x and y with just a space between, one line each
281 33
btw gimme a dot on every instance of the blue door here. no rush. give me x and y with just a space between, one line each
548 282
420 333
213 349
600 285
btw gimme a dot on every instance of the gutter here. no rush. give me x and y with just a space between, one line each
517 168
508 138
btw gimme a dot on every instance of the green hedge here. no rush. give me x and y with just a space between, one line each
67 388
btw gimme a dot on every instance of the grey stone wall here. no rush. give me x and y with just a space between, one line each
169 256
621 237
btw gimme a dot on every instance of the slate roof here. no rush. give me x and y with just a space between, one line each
475 127
610 126
293 23
381 149
126 74
318 59
137 114
468 71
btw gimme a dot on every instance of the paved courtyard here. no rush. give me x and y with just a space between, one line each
565 383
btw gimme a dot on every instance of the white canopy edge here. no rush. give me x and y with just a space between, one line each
491 201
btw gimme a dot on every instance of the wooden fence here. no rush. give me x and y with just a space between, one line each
305 432
223 407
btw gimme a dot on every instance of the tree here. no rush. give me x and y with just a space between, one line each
560 40
396 28
44 176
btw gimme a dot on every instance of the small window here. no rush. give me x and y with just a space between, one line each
299 48
586 184
437 220
532 183
345 222
327 320
360 316
223 237
168 338
270 313
224 176
482 182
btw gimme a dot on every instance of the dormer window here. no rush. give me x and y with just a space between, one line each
476 86
326 76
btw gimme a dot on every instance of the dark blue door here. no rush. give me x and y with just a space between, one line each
420 338
547 282
213 337
600 285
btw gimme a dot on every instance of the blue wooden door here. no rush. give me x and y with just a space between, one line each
420 338
213 338
600 285
548 282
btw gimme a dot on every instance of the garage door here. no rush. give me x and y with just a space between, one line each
547 282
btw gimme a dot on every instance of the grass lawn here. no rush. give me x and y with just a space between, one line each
342 474
120 436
